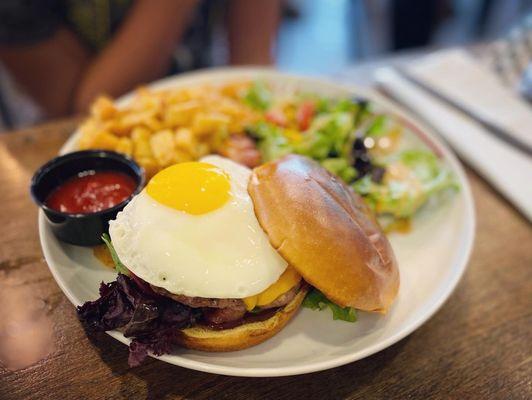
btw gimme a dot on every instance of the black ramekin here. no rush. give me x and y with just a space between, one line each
81 229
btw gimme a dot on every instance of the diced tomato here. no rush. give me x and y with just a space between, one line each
304 115
276 117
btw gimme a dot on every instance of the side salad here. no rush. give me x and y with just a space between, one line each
365 147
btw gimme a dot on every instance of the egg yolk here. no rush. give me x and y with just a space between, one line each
193 187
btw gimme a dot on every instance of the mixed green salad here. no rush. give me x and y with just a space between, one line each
369 149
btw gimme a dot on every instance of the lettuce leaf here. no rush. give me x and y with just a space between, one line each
341 168
315 300
401 195
325 141
378 126
411 178
258 96
119 267
152 321
356 106
272 143
327 135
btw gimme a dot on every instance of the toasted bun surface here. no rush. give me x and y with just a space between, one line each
326 232
242 336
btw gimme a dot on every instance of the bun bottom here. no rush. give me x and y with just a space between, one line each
243 336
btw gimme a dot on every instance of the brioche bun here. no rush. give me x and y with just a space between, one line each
243 336
325 230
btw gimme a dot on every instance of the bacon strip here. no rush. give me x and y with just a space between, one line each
241 149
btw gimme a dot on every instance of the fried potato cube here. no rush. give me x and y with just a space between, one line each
140 133
185 140
131 120
123 125
151 103
205 124
162 146
151 167
103 108
182 156
116 127
176 96
142 91
125 146
239 124
89 129
180 114
103 140
154 124
230 108
196 92
215 141
140 137
202 149
141 149
128 121
159 128
147 100
235 89
235 127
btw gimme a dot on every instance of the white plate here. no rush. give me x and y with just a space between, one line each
432 258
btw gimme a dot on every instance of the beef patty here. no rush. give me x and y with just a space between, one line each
218 311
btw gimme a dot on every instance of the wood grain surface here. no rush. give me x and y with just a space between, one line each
478 346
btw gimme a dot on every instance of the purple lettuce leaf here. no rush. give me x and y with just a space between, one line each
112 310
151 320
162 341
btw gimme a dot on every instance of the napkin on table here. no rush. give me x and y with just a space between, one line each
457 75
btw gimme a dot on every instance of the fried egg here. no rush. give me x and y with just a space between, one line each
193 231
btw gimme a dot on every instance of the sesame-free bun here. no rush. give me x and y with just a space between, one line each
243 336
326 232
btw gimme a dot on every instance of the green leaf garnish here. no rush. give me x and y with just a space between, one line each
316 300
258 96
120 268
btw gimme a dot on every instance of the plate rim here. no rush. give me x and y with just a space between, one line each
460 265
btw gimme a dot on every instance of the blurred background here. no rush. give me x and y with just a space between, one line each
57 55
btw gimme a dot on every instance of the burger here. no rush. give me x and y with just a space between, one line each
216 257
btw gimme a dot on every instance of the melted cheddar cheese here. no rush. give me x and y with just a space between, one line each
286 281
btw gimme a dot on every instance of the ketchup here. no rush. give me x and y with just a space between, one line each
91 191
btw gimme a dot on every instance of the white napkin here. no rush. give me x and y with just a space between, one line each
457 75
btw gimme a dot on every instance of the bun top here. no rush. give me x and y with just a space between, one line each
325 230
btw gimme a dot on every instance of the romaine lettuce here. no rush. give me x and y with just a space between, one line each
340 167
315 300
378 126
258 96
412 176
272 143
327 134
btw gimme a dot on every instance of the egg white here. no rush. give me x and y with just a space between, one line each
221 254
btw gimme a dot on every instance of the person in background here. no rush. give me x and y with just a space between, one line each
64 53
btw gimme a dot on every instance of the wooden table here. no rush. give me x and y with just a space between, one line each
477 346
